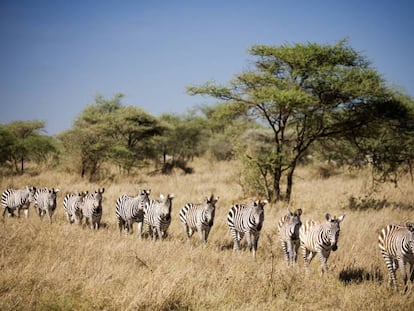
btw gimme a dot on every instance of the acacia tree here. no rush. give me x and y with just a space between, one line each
22 140
302 92
107 131
132 131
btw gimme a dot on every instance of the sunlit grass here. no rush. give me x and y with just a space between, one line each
69 267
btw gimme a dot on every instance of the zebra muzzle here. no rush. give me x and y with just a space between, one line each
334 247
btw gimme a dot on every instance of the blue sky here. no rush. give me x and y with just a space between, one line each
55 56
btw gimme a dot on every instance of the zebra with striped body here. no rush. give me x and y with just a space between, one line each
199 217
17 199
157 216
397 247
320 238
45 202
72 203
288 228
246 220
129 209
91 207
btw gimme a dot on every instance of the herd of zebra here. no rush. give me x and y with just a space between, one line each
396 242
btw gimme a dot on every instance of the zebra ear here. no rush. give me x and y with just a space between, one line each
161 196
410 226
101 190
328 217
340 218
299 211
171 196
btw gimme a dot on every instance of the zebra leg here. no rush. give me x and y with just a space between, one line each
189 231
26 213
49 216
324 259
139 230
159 233
392 267
206 234
403 272
289 253
256 237
295 248
236 239
285 251
69 218
121 226
412 271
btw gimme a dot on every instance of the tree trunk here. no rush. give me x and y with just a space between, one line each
277 174
289 185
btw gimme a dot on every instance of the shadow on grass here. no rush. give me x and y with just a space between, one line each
355 275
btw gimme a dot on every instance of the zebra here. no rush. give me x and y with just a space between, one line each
157 215
288 229
397 247
199 217
91 207
45 202
72 206
320 238
246 220
17 199
131 208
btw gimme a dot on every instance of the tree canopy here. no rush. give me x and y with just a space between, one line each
303 93
21 141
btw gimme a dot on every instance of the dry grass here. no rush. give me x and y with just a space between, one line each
66 267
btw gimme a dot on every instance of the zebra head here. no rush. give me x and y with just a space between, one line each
31 191
332 229
258 212
82 194
51 198
294 222
210 208
165 206
144 197
97 196
410 227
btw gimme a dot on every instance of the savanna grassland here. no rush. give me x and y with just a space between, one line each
68 267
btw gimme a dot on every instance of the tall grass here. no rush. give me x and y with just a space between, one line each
69 267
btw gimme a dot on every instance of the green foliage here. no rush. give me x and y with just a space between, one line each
107 131
303 93
22 141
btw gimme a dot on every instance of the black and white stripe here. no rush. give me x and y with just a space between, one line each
288 228
246 220
17 199
131 208
199 217
397 247
92 208
320 238
157 216
72 206
45 202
